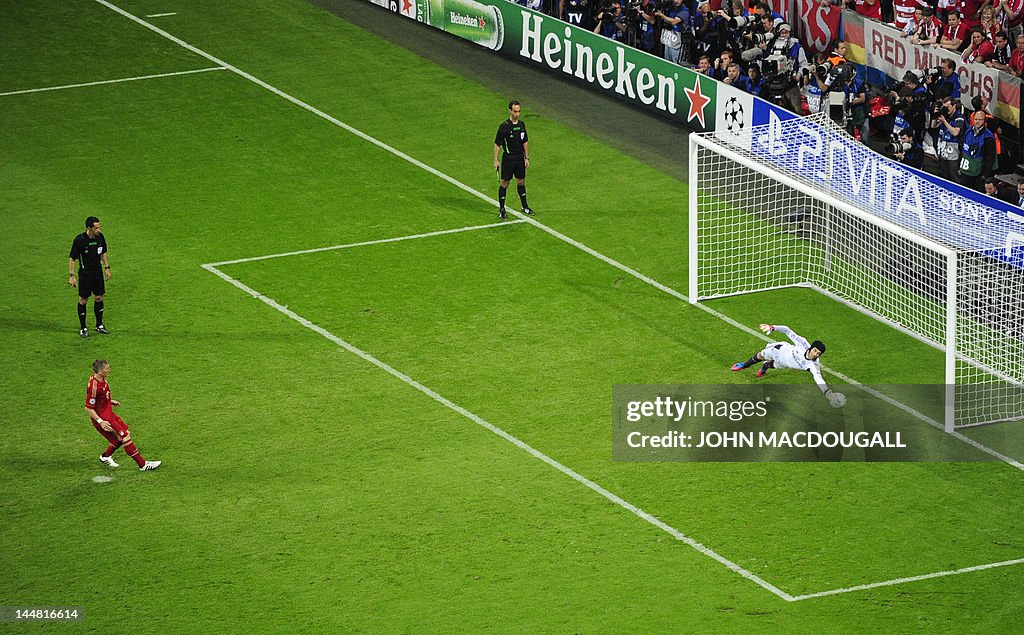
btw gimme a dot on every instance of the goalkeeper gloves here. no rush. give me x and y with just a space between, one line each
767 329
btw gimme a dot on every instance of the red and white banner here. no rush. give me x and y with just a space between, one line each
880 47
818 26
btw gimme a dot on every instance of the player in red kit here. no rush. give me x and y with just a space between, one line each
100 407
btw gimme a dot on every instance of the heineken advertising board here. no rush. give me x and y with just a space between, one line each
580 55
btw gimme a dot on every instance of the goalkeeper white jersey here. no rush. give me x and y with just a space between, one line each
793 355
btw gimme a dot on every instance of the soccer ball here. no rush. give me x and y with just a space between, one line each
836 399
735 118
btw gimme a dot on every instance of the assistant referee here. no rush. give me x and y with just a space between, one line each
513 144
89 251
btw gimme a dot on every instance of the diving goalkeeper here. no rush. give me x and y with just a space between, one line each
800 355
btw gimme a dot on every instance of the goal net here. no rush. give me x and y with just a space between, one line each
801 204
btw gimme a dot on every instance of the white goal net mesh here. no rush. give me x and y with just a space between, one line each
765 220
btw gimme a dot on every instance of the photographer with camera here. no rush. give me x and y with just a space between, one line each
950 125
783 43
710 32
815 83
947 82
755 37
913 100
646 24
784 83
906 150
675 18
611 21
855 109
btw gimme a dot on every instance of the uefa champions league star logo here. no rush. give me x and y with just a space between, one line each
734 116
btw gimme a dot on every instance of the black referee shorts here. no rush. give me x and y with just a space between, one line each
90 283
512 166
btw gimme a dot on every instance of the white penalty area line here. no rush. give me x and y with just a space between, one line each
364 243
113 81
160 15
576 476
614 263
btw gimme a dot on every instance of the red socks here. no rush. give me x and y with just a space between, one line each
133 452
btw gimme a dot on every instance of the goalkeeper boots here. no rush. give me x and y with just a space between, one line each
738 366
501 213
761 372
528 211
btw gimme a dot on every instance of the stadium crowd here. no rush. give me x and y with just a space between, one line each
920 120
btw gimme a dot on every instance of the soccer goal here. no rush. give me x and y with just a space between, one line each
801 204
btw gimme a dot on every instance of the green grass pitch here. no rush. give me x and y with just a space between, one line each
304 488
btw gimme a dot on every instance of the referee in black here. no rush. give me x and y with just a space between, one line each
512 142
89 250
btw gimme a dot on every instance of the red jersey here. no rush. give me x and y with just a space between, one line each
958 33
903 12
1017 60
1014 12
97 397
873 10
982 53
969 12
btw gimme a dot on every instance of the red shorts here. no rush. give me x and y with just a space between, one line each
119 433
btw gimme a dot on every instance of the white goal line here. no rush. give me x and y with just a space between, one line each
113 81
405 378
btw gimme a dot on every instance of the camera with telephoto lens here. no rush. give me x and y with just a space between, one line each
897 146
740 22
759 38
933 74
665 5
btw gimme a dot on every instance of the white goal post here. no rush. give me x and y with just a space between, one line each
801 204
